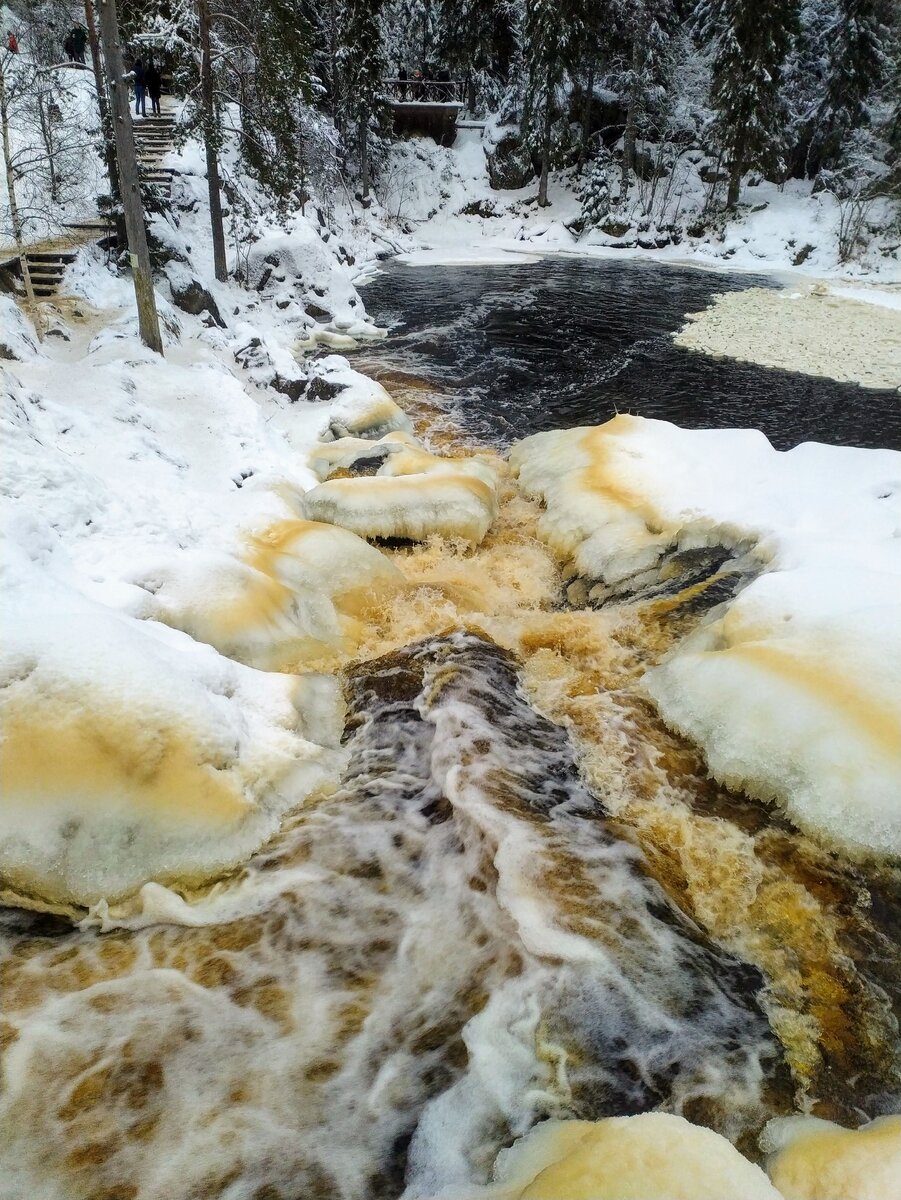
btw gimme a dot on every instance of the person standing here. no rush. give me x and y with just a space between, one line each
79 39
12 42
138 77
153 81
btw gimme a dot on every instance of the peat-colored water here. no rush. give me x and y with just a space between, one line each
565 342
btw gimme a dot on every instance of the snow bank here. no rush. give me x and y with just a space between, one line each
811 331
151 505
654 1156
295 263
812 1159
298 589
793 688
132 752
17 338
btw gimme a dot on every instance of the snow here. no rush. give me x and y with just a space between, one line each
444 196
155 556
812 1159
653 1156
132 752
791 688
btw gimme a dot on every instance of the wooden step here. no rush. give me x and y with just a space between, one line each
51 256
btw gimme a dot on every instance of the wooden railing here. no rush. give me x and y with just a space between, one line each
424 91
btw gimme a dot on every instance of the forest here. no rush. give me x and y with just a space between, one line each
655 107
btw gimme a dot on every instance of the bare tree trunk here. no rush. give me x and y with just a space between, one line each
587 105
127 160
209 142
631 122
106 125
543 201
14 213
364 156
47 136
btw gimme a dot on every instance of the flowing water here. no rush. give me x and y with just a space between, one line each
526 897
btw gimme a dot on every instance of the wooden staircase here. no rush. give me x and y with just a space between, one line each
45 269
47 262
153 138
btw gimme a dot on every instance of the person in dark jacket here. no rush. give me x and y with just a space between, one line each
79 39
12 42
153 81
138 78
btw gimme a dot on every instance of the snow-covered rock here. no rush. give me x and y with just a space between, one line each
793 688
411 494
132 752
812 1159
297 589
653 1156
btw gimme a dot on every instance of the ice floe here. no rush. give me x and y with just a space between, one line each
793 687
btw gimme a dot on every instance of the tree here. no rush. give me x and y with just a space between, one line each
274 81
553 35
752 39
857 63
212 139
478 41
362 65
127 162
647 28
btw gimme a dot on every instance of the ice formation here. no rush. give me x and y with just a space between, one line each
808 330
411 493
793 688
299 587
654 1156
812 1159
362 407
132 752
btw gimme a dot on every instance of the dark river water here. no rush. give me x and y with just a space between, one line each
566 342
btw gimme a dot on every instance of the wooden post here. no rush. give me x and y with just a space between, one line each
106 124
127 160
364 156
209 135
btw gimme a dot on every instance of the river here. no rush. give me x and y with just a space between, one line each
527 898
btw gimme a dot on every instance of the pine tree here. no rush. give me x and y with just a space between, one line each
553 37
752 39
478 41
647 28
857 65
361 62
270 96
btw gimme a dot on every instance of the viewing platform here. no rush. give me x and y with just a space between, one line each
427 107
